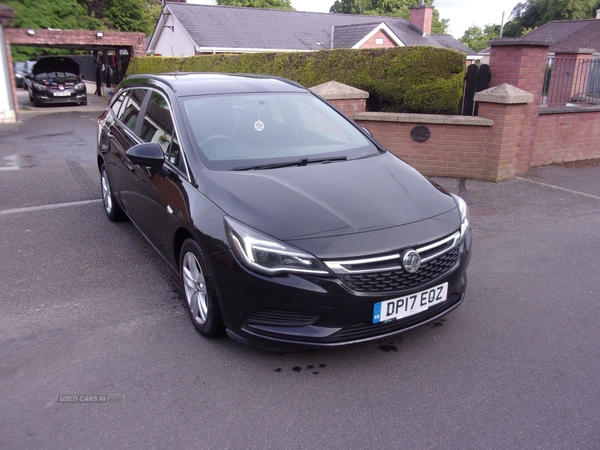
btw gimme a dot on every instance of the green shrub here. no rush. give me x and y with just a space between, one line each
402 79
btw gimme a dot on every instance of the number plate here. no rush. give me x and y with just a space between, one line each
62 94
397 308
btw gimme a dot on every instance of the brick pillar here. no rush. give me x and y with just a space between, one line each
508 107
521 64
422 17
346 98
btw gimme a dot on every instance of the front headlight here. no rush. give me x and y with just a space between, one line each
465 218
39 87
267 255
79 86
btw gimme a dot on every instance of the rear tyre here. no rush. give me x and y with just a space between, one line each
199 291
111 207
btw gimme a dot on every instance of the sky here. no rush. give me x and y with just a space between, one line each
462 13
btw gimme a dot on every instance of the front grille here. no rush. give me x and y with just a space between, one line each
368 329
272 317
399 279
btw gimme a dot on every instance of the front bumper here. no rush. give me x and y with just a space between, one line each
48 97
310 312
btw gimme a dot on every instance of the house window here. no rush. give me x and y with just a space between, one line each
379 41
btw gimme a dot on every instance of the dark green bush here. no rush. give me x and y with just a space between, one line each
402 79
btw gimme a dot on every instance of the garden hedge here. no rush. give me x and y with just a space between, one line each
401 79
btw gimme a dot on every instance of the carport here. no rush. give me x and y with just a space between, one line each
114 46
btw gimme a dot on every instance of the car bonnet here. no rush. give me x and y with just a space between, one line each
321 200
56 64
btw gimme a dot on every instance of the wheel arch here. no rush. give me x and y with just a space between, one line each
178 239
99 161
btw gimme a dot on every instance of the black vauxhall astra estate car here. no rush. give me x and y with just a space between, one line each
287 223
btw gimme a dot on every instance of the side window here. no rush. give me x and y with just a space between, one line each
130 110
116 105
158 127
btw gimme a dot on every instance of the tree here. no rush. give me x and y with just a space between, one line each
132 15
571 9
63 14
477 38
271 4
531 14
394 8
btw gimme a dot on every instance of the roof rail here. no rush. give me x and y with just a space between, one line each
154 77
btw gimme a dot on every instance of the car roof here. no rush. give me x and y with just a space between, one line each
184 84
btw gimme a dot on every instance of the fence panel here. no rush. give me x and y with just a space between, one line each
571 80
477 79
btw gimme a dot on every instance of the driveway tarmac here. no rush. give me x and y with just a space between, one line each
88 308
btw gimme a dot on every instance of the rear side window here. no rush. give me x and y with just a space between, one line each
130 110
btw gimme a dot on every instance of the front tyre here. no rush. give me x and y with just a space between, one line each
199 291
111 207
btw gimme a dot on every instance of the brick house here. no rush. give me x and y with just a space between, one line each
187 29
569 34
564 35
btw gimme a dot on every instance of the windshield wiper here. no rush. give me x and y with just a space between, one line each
299 162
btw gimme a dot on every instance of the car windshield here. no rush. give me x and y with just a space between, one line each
268 130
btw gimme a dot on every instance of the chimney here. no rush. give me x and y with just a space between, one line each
421 17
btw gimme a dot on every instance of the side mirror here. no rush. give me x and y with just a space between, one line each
367 132
147 154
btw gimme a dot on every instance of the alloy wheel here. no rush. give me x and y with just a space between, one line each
106 193
195 288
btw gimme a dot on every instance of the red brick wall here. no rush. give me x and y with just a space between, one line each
566 136
487 152
387 42
451 151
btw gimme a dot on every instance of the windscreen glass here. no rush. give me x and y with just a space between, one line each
243 130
